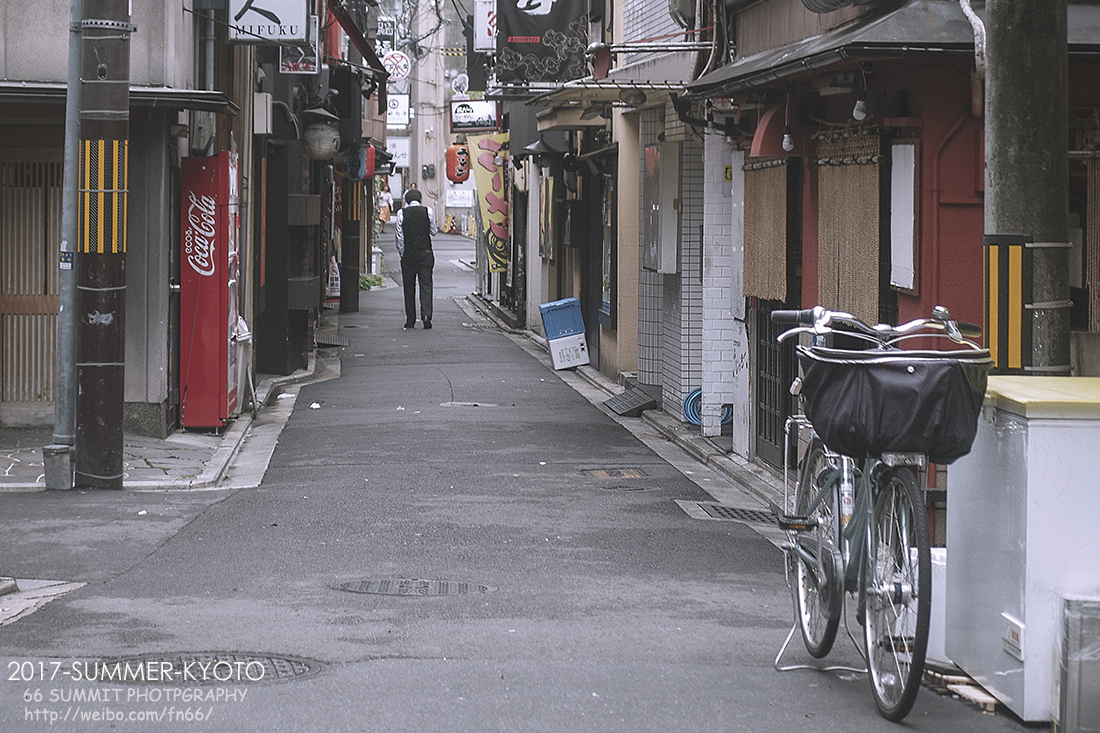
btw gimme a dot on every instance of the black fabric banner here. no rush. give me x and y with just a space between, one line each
541 40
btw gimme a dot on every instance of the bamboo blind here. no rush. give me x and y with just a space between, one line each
848 224
765 261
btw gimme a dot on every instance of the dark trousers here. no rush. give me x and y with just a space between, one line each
417 266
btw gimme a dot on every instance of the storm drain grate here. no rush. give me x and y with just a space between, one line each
413 587
631 403
744 515
626 488
328 339
616 473
199 668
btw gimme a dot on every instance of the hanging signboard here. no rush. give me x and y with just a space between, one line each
399 148
269 21
490 164
485 26
541 41
475 115
302 59
397 113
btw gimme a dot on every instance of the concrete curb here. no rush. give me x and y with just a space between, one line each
215 469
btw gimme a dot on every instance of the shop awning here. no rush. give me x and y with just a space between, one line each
140 96
663 73
920 28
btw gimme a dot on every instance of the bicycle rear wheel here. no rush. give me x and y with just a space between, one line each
818 600
897 586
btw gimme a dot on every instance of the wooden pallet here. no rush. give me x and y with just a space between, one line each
961 685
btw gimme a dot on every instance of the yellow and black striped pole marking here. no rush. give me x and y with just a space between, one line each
103 196
353 201
1008 277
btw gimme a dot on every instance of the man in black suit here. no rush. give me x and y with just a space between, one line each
414 227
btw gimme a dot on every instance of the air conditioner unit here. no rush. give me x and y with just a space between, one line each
261 113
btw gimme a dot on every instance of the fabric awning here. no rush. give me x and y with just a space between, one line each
920 28
140 96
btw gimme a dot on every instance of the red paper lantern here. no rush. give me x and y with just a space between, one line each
458 163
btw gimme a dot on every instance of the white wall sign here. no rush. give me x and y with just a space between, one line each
459 198
397 115
266 21
399 148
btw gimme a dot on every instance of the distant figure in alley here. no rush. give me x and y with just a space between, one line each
414 227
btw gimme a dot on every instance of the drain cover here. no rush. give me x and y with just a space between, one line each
615 473
745 515
413 587
625 488
328 339
200 668
466 404
631 403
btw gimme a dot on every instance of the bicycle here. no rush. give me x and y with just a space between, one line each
855 518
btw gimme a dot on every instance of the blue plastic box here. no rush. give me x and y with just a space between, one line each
562 318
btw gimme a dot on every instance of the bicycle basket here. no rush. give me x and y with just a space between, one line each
866 403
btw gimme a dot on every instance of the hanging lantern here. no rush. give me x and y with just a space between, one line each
321 141
458 163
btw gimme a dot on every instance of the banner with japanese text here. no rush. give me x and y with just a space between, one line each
541 40
490 166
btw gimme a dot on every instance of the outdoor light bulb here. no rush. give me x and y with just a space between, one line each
788 140
859 112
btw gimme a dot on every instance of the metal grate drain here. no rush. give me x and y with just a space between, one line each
328 339
626 488
413 587
615 473
744 515
199 668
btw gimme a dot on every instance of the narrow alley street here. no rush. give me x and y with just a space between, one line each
551 577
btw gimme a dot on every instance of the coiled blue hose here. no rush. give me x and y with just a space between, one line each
692 404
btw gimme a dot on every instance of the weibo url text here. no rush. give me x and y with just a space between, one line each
81 715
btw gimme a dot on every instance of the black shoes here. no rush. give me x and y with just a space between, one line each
410 324
427 324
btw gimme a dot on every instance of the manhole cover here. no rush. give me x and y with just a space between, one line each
745 515
200 668
413 587
615 473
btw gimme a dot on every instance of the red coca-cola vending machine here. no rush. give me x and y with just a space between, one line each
209 269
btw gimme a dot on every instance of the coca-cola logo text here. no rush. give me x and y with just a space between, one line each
198 237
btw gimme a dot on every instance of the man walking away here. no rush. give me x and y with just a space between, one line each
414 227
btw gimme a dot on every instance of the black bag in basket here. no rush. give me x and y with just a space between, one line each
866 403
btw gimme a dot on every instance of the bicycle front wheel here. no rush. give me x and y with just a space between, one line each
818 592
897 588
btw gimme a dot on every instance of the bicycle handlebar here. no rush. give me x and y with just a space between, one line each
818 320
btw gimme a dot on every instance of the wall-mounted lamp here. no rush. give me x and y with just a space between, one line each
632 97
541 152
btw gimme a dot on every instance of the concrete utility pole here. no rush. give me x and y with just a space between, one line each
101 299
1027 177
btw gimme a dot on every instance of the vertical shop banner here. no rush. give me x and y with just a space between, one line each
541 40
489 176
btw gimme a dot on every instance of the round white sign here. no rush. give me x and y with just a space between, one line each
397 64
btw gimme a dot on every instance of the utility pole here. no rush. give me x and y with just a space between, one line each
101 242
1027 185
57 458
